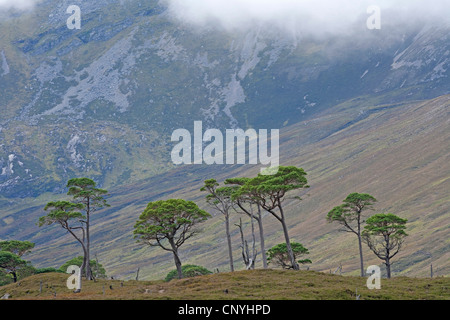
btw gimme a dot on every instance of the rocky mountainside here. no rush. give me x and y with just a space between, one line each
103 101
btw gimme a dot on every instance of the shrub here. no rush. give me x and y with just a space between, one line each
279 254
47 270
97 269
188 271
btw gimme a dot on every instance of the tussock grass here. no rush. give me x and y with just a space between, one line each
241 285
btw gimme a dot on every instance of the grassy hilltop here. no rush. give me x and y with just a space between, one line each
241 285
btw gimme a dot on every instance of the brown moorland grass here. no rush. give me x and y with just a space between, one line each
268 284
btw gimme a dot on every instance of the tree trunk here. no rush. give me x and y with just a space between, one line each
254 253
176 258
294 263
261 238
78 288
230 250
83 265
361 261
261 230
361 255
388 268
244 246
178 264
388 257
83 246
88 243
14 274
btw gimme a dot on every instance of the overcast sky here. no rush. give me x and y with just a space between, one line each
307 16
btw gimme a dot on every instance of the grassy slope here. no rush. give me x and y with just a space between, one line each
241 285
400 155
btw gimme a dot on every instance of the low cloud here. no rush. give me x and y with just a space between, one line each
17 4
308 17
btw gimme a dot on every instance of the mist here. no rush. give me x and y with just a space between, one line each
307 17
17 4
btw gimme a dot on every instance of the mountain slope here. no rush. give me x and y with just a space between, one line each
103 100
398 153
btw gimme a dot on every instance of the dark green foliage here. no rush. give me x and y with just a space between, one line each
237 181
270 189
386 225
385 234
61 212
83 190
26 271
246 204
279 255
5 279
349 215
221 200
11 263
188 271
350 211
17 247
170 220
241 194
97 269
48 270
87 198
164 218
270 192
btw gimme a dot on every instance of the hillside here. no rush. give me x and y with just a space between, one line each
243 285
103 101
398 153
